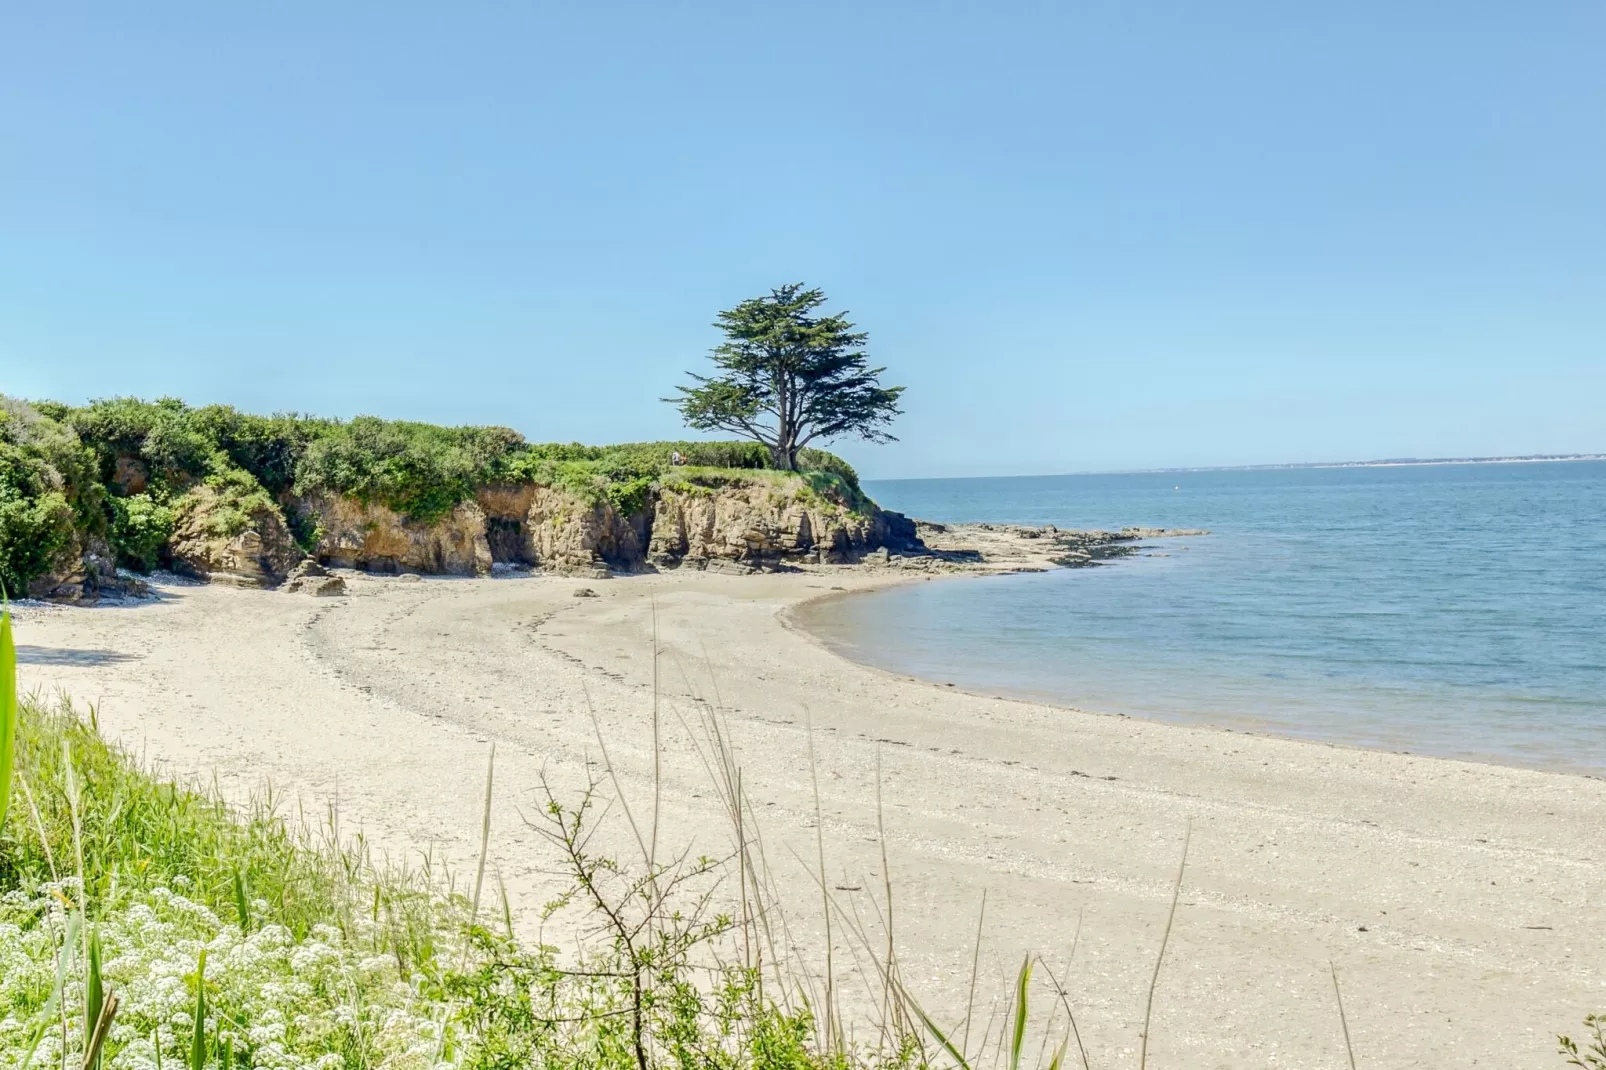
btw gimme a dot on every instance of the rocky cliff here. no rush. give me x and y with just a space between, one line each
757 524
213 542
84 571
752 522
355 534
732 521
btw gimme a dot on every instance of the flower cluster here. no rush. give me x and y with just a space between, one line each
273 1000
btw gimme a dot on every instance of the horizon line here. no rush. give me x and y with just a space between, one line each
1386 462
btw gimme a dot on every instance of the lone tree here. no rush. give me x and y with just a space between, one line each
787 377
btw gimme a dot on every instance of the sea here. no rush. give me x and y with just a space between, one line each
1456 610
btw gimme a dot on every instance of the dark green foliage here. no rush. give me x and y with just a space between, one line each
304 528
240 499
44 496
34 530
420 470
140 530
812 460
162 433
268 447
787 377
625 474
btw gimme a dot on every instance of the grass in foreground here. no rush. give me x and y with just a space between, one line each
240 939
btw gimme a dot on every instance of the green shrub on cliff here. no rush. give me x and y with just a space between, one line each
420 470
161 434
239 498
47 493
624 474
34 529
141 528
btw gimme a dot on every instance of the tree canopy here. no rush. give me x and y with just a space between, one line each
788 376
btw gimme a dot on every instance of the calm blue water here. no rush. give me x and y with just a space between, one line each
1454 610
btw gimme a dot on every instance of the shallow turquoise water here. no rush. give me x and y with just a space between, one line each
1450 609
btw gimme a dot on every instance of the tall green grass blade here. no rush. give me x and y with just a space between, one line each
94 985
48 1015
8 706
242 904
1018 1034
934 1029
198 1037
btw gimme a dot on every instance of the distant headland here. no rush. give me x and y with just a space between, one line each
1392 462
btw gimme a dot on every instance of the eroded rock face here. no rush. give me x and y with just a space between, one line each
131 476
568 534
85 573
559 531
755 524
259 556
373 537
751 525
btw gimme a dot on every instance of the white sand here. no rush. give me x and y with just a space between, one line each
1462 903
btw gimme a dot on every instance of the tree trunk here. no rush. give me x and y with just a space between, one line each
783 456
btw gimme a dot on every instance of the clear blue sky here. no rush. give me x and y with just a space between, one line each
1084 235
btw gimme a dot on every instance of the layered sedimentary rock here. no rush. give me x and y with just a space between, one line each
258 556
561 531
354 534
755 524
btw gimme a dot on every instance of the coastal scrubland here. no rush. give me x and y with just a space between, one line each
120 477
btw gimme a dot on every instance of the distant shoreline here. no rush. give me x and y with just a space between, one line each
1400 462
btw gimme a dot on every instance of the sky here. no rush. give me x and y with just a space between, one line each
1084 235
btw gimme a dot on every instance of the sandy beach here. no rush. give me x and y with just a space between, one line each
1462 904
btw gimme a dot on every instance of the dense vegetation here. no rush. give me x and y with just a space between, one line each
124 471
